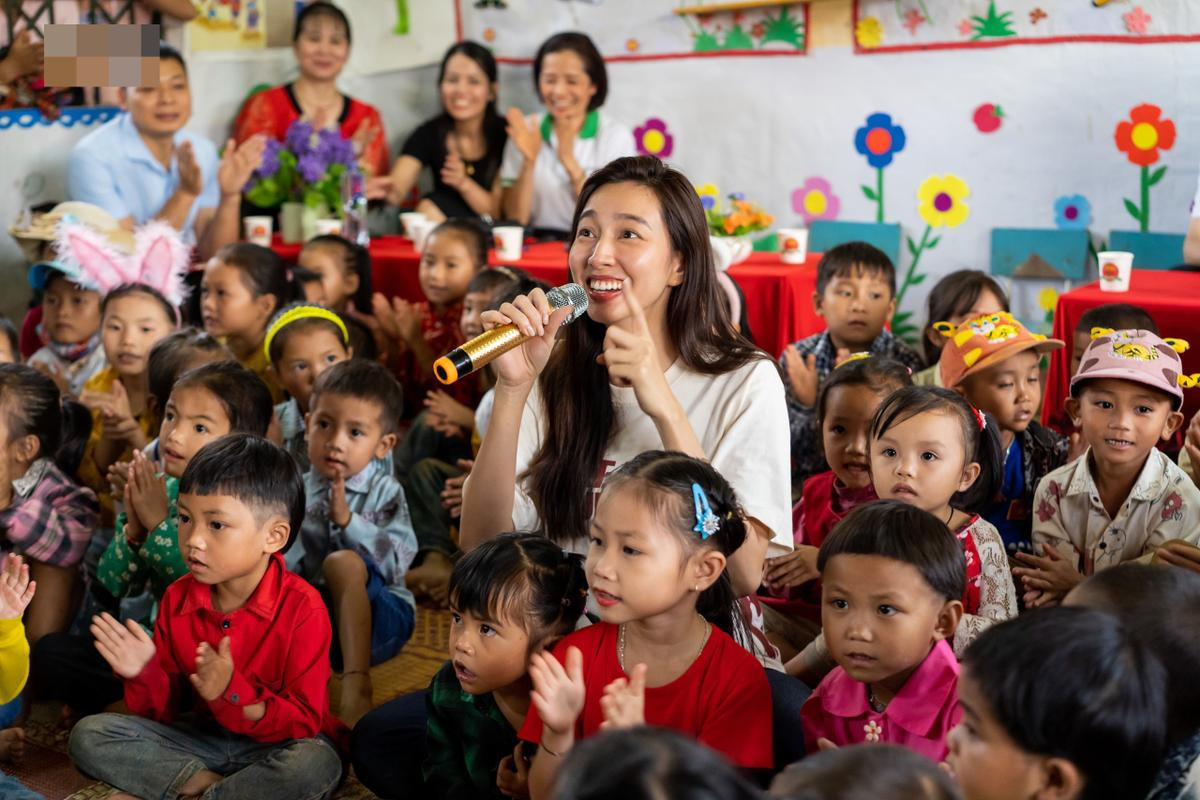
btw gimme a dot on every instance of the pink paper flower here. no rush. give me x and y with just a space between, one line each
913 19
1137 20
816 200
965 27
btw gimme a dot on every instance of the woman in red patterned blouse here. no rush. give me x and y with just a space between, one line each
321 40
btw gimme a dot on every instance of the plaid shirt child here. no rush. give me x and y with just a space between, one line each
807 459
50 519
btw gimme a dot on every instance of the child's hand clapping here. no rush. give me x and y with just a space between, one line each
1178 553
127 648
802 375
339 510
449 410
1050 574
624 701
118 477
16 590
793 569
398 320
452 489
558 693
512 776
214 670
145 493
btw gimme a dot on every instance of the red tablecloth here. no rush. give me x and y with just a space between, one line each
1171 298
778 295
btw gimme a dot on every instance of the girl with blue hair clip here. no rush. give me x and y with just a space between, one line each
663 652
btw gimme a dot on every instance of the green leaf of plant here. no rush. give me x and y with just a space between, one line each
1133 210
869 192
920 276
912 247
1156 176
900 317
933 243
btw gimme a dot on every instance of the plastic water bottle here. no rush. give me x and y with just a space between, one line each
354 209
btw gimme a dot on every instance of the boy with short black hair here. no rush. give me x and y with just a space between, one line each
856 294
357 540
240 642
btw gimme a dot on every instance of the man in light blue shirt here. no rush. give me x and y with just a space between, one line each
142 165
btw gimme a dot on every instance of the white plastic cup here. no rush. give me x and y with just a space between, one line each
329 227
257 230
793 245
1115 269
408 219
508 240
419 230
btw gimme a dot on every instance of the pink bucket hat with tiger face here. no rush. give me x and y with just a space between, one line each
1138 356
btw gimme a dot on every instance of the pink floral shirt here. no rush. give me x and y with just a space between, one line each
1164 504
919 717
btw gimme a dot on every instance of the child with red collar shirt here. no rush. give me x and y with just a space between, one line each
232 688
418 333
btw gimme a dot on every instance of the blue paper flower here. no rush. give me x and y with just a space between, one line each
879 140
1072 212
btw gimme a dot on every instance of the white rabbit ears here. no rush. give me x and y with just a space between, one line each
159 259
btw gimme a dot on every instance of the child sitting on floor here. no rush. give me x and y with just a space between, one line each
664 652
334 272
243 286
1060 703
206 404
891 598
856 288
845 407
44 516
418 333
302 342
994 362
1123 498
70 325
510 597
16 591
962 295
357 539
230 694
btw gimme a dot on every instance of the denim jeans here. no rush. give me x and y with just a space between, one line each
151 759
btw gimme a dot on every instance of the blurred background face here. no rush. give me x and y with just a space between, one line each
465 88
564 85
322 49
164 109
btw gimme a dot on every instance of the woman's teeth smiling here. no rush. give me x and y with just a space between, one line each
604 285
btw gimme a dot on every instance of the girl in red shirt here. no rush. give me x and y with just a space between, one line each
664 652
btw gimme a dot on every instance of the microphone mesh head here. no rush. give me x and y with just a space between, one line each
569 295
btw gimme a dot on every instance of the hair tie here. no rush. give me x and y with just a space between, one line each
298 313
707 523
980 419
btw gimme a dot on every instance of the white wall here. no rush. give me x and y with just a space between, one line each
762 125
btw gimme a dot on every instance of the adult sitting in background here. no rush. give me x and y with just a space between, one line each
462 146
142 165
549 156
321 42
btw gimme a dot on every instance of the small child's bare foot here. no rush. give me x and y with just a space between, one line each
196 785
12 745
431 579
357 694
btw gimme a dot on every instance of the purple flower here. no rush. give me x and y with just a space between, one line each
333 148
299 137
270 160
310 167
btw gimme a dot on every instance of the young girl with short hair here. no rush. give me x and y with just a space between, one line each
663 652
957 297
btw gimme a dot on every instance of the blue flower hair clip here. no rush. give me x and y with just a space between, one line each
707 523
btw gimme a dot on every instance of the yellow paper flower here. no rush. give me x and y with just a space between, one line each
868 33
942 201
708 195
1048 299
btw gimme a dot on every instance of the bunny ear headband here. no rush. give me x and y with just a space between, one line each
159 260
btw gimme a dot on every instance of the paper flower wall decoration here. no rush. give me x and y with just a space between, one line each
815 200
1072 212
868 33
1141 138
653 138
879 140
708 196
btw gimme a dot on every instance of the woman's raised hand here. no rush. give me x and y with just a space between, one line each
534 317
524 134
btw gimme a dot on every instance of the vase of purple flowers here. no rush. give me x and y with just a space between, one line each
302 176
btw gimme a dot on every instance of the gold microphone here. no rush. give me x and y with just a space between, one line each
490 345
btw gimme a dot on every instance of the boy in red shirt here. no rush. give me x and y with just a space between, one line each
231 691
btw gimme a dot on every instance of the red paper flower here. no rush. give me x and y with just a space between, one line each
1172 505
1144 134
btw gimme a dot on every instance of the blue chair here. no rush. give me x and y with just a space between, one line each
1150 250
824 234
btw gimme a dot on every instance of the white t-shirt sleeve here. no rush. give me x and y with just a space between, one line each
753 452
616 140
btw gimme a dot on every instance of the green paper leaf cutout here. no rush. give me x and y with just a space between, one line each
933 243
912 247
920 276
869 192
1156 176
1133 210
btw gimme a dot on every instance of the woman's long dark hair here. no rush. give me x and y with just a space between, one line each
493 124
576 394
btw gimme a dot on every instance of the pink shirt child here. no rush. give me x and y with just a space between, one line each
919 717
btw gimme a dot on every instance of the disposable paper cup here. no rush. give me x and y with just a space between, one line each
418 231
408 218
329 227
1115 268
507 239
793 244
258 230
